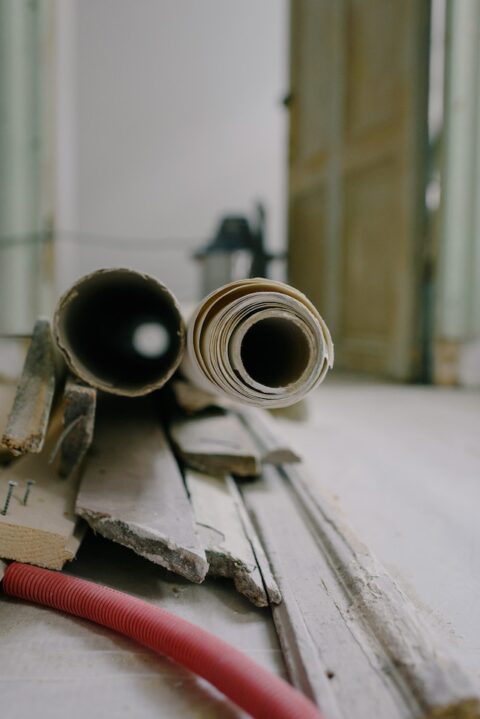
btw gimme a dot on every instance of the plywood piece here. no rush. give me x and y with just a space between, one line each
27 423
350 636
45 531
220 528
78 423
132 490
216 443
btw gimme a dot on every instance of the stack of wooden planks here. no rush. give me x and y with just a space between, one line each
157 479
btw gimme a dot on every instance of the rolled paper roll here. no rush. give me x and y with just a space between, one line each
120 331
259 342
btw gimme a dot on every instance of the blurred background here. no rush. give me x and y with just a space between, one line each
332 143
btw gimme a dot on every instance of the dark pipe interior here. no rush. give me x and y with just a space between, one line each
275 352
101 327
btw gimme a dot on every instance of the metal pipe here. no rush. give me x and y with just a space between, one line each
120 331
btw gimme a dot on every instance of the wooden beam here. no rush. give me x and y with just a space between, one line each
132 490
350 636
228 548
44 531
216 443
27 423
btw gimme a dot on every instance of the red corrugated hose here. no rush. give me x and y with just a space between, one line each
255 690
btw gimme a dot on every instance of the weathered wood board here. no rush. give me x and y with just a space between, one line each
273 447
228 548
216 443
349 634
192 399
79 402
133 493
7 396
271 586
27 423
45 531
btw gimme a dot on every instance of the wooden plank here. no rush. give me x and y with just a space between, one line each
227 547
44 531
132 490
12 358
271 586
192 399
216 443
273 447
27 423
7 397
78 422
261 425
349 634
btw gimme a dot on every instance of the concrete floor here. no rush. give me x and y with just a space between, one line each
403 465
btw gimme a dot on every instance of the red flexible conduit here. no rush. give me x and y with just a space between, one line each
254 689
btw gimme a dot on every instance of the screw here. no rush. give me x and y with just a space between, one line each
30 483
11 485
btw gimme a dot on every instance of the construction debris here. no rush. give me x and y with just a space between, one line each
216 443
78 422
38 524
273 448
27 422
133 493
104 326
344 622
132 490
228 548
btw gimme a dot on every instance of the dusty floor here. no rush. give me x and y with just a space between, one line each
403 466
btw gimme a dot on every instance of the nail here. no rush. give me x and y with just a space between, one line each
30 483
11 485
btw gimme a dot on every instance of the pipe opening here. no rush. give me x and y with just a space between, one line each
275 352
151 339
123 330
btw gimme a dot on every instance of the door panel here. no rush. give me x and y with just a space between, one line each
358 139
308 216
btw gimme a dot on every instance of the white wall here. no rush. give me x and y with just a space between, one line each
170 115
